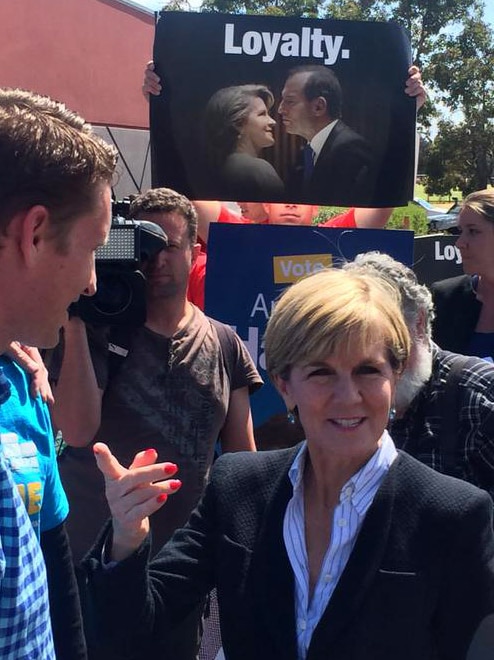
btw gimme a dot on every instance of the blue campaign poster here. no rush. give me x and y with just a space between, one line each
249 266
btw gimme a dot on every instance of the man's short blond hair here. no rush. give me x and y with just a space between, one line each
49 156
330 311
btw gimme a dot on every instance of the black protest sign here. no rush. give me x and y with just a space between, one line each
436 257
233 119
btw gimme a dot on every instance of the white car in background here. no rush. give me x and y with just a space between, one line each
438 219
446 221
430 210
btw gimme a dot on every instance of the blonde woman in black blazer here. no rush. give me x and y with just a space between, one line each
339 548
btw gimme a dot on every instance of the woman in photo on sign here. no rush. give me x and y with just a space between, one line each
341 547
238 127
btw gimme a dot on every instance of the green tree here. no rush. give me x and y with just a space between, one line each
177 5
462 73
447 164
424 154
458 159
424 19
303 8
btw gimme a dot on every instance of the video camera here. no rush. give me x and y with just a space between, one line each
120 298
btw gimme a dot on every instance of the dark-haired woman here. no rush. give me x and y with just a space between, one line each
238 128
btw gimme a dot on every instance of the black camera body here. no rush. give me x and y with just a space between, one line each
120 298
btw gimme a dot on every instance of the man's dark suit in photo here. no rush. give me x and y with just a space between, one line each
337 165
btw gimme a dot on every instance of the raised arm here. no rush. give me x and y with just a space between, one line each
151 82
207 212
77 408
30 360
414 86
367 218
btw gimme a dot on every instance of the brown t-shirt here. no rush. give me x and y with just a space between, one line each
171 394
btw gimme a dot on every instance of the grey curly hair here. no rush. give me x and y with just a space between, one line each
416 299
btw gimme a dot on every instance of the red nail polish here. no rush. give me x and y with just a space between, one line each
149 451
162 498
170 468
175 484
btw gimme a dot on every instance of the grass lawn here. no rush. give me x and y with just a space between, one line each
444 202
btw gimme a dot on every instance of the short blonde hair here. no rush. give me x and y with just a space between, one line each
51 156
481 202
329 311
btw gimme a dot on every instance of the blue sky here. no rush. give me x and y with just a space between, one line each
150 4
489 12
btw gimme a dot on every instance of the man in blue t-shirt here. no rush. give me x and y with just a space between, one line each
28 446
55 210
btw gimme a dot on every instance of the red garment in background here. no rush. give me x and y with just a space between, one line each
195 292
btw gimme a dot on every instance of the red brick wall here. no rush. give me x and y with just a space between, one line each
88 53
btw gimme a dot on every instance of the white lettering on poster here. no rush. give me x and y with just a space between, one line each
253 345
449 253
311 42
298 269
261 306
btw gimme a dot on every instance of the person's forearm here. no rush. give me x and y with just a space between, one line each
207 212
115 595
30 360
77 409
366 218
124 544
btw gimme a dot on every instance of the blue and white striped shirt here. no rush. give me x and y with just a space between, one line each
356 496
25 627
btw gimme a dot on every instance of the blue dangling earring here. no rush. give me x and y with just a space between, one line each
392 414
290 415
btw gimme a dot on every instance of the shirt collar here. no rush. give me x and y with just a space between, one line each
317 142
375 469
296 471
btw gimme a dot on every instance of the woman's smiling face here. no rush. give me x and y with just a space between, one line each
256 132
344 400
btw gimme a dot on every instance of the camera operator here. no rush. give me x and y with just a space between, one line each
184 382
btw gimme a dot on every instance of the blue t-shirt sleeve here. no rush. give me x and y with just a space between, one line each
55 506
27 443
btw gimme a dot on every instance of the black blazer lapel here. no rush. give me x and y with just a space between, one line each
325 154
272 576
364 563
326 180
